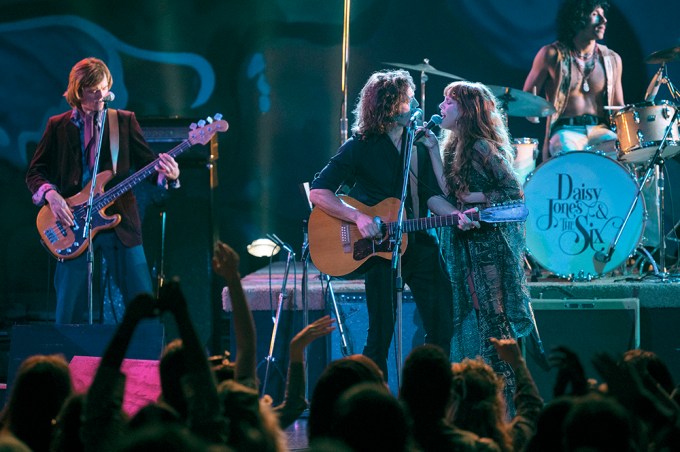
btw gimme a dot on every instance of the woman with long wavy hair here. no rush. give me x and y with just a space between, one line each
485 262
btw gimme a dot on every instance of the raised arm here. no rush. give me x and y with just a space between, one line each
203 407
103 419
225 263
294 403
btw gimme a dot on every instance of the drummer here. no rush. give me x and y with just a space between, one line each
579 77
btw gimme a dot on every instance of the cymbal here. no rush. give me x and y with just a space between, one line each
664 56
516 102
424 67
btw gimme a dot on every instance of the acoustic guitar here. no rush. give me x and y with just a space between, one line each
337 247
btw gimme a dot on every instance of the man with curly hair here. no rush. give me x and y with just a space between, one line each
580 77
371 162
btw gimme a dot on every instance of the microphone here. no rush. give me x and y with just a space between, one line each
435 120
653 88
109 97
416 115
275 238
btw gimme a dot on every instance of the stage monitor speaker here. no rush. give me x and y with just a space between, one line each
354 315
79 340
586 327
179 227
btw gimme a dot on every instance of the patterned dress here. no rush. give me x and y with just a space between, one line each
490 294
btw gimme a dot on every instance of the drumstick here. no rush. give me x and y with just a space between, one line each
614 107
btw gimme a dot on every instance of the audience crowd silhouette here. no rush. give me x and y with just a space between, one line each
215 405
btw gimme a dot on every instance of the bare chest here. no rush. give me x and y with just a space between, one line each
587 78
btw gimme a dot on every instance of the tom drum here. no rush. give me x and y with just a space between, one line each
640 129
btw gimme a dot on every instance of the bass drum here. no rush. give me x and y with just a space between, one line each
577 203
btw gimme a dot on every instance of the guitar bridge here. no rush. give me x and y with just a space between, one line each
345 237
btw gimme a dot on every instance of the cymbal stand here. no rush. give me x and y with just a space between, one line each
423 83
656 163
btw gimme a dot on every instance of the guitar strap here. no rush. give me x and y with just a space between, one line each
114 138
413 181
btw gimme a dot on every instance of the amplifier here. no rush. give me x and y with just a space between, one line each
587 327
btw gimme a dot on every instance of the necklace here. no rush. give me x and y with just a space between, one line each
585 64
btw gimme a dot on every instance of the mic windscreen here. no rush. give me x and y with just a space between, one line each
109 97
436 119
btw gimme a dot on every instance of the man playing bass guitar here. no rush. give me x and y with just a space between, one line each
62 166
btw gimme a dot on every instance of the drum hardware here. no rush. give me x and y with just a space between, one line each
655 165
526 153
425 68
664 56
515 102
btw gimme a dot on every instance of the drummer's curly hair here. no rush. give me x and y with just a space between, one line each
379 100
573 15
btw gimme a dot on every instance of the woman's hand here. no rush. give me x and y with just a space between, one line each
464 222
429 139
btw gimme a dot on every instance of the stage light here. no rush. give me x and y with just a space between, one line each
263 248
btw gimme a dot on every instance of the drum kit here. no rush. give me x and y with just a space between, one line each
587 212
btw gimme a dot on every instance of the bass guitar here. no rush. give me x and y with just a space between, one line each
337 247
66 242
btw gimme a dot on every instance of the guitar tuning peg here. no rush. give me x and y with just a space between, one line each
193 126
218 116
209 120
201 123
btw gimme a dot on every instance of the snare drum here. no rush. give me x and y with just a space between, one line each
526 150
640 129
577 202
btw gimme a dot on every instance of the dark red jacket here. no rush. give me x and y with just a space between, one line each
58 161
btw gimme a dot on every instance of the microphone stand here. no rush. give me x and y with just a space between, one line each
656 162
407 151
87 229
283 295
304 293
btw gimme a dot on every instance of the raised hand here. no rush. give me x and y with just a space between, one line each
142 306
225 262
569 370
508 351
171 298
319 328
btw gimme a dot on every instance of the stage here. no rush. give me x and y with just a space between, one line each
610 314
